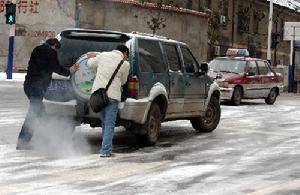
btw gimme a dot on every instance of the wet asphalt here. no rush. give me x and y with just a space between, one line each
254 150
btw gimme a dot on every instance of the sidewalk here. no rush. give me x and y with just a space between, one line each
286 94
16 77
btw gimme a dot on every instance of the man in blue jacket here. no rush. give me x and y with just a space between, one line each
43 62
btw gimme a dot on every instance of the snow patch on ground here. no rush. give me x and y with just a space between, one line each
19 77
178 174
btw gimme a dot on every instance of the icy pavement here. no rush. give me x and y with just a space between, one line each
254 150
16 77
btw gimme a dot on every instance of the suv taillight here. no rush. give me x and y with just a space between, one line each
133 86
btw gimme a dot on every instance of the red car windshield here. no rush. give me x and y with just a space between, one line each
228 65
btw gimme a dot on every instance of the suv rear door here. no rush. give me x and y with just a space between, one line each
176 80
195 86
152 67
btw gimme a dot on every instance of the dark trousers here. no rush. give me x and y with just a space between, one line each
35 94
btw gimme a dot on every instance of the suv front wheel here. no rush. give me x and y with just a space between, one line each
151 127
210 121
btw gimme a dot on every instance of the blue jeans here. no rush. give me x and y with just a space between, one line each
35 94
108 118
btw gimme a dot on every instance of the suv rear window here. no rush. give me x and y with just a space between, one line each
172 56
72 48
150 56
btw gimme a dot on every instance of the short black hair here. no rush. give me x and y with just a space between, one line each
123 48
53 41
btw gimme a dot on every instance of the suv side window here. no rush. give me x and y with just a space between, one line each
189 61
150 56
263 68
172 57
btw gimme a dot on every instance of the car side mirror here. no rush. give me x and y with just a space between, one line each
204 67
201 69
249 74
190 68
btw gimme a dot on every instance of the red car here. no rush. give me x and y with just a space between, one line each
241 77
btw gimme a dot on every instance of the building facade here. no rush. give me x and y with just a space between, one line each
38 20
226 24
244 24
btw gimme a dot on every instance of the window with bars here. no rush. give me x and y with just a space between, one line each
255 22
243 18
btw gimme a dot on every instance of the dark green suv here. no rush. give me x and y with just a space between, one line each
165 83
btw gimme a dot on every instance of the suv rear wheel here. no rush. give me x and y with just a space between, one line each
209 122
151 127
271 97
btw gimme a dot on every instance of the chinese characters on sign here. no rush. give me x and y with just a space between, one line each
23 6
34 5
2 5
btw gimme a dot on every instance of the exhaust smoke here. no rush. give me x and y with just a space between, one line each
54 136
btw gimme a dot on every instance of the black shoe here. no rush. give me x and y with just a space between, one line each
23 147
106 155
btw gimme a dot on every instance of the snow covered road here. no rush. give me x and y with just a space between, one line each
254 150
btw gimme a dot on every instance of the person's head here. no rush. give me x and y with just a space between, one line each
124 50
53 43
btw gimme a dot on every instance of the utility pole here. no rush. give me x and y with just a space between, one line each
292 66
270 31
77 15
292 47
11 20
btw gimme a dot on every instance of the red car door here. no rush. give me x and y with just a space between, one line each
252 81
268 78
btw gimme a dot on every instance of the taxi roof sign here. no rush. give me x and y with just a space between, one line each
237 52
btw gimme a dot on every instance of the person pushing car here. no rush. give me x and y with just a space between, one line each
43 62
106 63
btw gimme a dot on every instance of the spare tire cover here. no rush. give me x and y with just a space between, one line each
83 79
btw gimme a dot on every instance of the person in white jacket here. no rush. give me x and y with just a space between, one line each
106 63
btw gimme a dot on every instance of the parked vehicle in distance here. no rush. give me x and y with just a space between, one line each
242 77
165 83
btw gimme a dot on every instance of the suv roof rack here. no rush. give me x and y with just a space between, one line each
148 34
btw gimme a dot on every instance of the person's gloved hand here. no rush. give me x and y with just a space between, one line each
74 68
